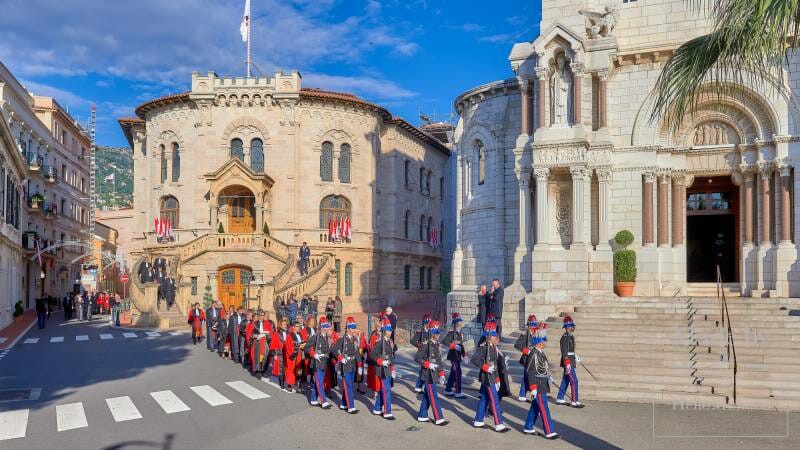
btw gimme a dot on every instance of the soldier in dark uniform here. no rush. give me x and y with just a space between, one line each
569 361
454 342
486 357
382 357
317 349
429 357
347 361
421 337
539 377
525 344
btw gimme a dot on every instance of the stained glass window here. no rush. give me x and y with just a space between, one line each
176 162
237 149
333 207
170 210
344 163
326 162
257 155
348 279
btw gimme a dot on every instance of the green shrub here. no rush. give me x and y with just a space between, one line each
266 229
625 266
220 228
624 238
18 310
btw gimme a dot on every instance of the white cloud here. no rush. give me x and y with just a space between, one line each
63 97
472 27
367 86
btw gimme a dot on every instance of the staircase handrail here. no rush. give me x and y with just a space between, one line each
193 248
321 269
281 278
726 323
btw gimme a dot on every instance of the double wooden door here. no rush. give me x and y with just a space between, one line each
233 282
242 214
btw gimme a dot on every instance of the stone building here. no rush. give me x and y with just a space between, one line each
54 212
558 158
246 170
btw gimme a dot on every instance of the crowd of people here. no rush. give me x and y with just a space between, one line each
81 306
310 357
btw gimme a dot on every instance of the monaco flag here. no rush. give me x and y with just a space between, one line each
245 26
348 229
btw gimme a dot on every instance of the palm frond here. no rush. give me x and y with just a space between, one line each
747 46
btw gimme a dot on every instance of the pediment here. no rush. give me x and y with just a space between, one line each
560 33
236 172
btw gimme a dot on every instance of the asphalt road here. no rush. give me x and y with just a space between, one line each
158 391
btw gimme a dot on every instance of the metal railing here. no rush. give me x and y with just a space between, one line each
726 323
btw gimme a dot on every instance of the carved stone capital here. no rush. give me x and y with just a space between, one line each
603 174
541 73
603 74
577 68
679 179
765 169
541 173
664 176
649 177
579 173
784 166
524 84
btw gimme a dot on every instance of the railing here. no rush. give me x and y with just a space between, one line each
222 242
726 323
282 278
319 271
50 173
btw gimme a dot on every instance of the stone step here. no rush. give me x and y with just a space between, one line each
661 318
651 396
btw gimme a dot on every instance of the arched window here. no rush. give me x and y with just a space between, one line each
430 278
237 149
326 162
428 228
421 179
422 227
481 162
163 163
333 207
344 163
176 162
406 277
406 223
348 279
257 155
170 210
407 173
428 182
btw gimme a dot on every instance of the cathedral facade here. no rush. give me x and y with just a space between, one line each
234 175
562 155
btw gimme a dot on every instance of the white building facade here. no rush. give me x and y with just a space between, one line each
557 159
12 175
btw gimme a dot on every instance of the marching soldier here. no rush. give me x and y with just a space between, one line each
381 357
318 348
373 380
347 360
568 362
196 318
486 357
306 334
525 344
538 371
429 357
454 342
421 337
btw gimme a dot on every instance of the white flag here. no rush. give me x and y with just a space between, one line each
245 26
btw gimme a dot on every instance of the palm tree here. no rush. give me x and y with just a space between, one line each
747 44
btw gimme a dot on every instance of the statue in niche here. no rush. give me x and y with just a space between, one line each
711 134
561 91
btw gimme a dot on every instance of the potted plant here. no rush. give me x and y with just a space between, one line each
36 200
220 228
624 264
18 310
266 229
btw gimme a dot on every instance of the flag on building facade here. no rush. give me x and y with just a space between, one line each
245 26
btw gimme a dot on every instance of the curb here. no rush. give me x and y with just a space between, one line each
24 332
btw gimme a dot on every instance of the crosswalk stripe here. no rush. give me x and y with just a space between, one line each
272 383
247 390
13 424
153 333
176 333
56 339
106 336
210 395
122 408
82 337
129 335
169 402
31 341
70 416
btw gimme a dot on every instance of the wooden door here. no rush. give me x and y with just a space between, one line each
233 281
242 214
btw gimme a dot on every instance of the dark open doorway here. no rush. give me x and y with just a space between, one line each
712 232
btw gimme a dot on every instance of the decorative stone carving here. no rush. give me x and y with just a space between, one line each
566 156
541 174
765 169
561 92
563 218
599 23
603 174
712 133
649 177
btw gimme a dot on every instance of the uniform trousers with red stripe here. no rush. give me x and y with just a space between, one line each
348 397
318 385
540 407
430 399
383 402
570 379
454 380
489 399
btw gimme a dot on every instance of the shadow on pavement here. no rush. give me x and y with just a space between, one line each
165 445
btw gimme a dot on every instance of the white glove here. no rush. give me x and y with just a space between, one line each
432 366
385 363
552 380
346 360
318 357
442 380
360 371
577 359
533 394
497 386
394 374
491 369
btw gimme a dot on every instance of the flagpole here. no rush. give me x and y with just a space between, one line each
249 22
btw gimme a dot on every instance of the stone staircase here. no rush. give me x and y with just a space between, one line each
710 290
674 350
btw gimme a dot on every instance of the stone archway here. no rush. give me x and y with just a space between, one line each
235 180
238 203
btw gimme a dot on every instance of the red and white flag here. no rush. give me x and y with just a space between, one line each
349 233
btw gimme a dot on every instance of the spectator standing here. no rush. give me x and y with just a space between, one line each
392 316
497 306
291 309
41 312
330 309
313 306
91 301
305 254
79 306
483 304
68 305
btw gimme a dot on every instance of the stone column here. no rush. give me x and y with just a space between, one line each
604 204
663 208
526 110
678 208
786 204
577 76
579 178
747 203
647 208
765 172
522 272
542 224
602 109
541 73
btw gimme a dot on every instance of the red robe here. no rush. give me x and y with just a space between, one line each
196 321
305 334
262 343
291 364
373 382
276 346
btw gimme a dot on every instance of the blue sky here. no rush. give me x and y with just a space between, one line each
405 55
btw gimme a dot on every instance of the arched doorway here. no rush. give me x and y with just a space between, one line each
233 284
712 230
240 204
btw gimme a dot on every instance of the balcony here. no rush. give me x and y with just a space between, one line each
34 163
35 203
50 174
50 211
29 242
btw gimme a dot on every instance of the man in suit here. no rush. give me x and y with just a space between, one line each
497 306
305 253
212 319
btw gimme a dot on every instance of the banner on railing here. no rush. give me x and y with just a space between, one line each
163 230
339 229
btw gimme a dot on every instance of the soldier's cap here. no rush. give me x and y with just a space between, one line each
386 325
426 319
351 323
323 323
568 322
456 318
540 335
434 327
532 322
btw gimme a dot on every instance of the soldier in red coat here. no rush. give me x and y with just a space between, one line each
197 318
